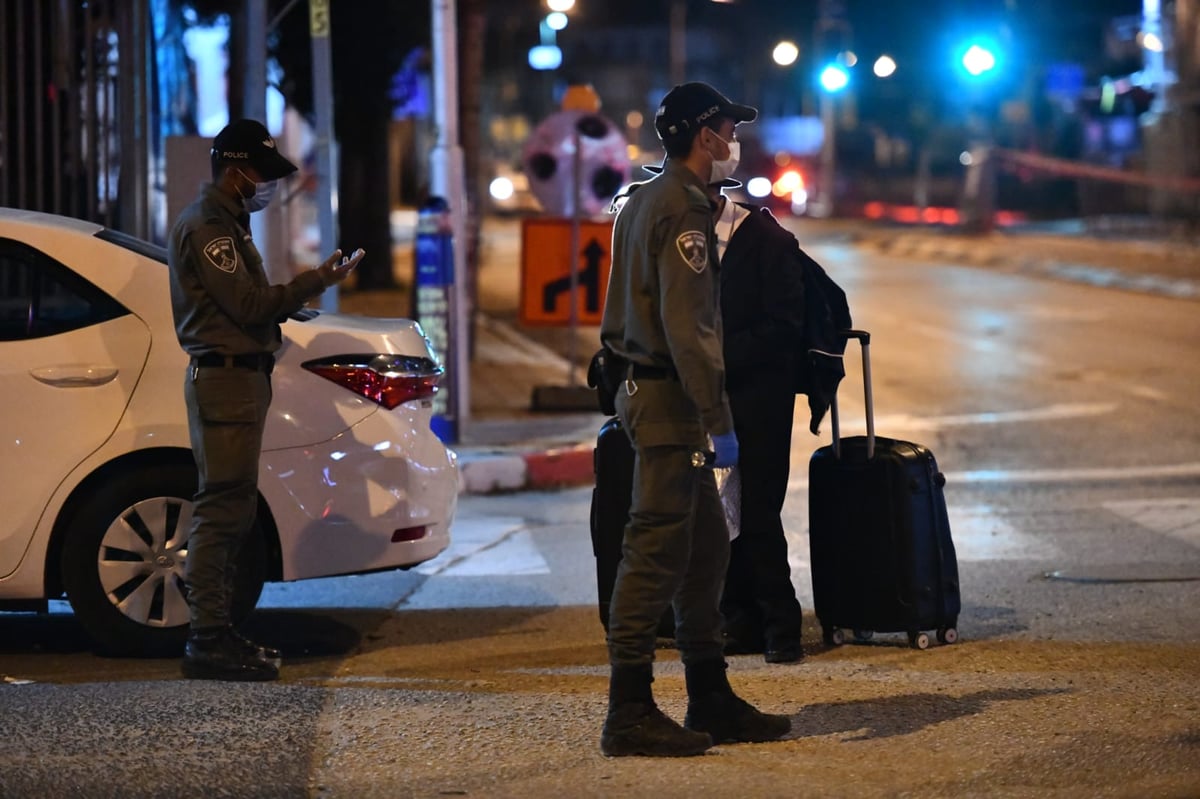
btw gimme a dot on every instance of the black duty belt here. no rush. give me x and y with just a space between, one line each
640 371
255 361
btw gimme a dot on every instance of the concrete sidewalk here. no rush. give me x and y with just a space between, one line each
507 446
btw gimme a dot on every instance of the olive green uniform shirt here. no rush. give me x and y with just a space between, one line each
663 303
220 296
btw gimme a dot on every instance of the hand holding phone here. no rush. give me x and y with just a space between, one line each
335 270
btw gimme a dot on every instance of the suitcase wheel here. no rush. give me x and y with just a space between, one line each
833 636
947 635
918 640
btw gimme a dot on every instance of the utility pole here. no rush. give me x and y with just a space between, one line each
831 35
267 225
319 29
1170 52
446 177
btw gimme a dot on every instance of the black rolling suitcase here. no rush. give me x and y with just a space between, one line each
612 462
879 536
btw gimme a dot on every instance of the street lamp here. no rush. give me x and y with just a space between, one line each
785 53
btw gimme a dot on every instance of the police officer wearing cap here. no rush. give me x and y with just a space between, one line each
227 318
662 315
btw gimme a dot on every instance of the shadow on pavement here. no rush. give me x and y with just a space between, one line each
45 633
892 716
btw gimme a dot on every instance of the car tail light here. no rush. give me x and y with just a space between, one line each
386 379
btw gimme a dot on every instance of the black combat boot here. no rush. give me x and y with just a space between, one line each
635 725
265 652
216 654
714 708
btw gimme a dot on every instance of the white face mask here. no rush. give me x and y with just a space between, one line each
263 193
725 168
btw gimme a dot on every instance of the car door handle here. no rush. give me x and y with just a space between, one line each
74 375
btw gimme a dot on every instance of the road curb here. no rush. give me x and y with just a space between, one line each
538 470
560 468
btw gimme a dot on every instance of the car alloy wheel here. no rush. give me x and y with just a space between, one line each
124 555
142 561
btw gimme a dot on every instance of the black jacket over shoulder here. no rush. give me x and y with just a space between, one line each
762 301
782 315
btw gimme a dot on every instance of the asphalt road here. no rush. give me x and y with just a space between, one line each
1064 417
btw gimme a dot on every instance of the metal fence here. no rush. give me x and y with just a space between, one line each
76 115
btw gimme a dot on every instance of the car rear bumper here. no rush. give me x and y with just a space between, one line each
357 502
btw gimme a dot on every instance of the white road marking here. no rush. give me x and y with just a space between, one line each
1145 392
981 534
1178 518
516 554
1062 313
1055 412
1027 357
488 546
1095 475
852 415
1033 476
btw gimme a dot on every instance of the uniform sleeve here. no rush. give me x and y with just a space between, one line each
223 272
781 324
690 317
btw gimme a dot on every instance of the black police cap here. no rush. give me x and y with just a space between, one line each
249 142
688 106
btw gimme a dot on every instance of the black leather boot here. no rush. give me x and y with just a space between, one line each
635 725
216 654
714 708
266 652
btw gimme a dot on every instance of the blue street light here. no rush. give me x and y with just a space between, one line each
978 59
834 78
545 57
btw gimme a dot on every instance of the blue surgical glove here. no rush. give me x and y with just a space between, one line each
725 450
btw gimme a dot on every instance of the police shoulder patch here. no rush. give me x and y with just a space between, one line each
222 254
693 247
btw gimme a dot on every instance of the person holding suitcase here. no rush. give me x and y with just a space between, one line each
762 309
662 316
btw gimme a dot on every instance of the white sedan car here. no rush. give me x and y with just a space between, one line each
96 473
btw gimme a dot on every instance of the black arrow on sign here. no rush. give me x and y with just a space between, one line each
589 278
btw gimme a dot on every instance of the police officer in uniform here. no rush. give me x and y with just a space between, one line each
662 315
227 318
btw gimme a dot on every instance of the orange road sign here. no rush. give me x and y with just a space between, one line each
546 271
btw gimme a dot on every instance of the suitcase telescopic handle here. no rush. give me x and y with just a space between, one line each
864 338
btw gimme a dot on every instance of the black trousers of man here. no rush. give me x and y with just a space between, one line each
759 603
